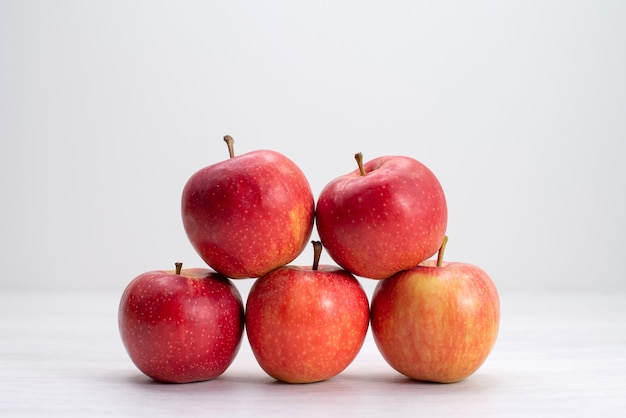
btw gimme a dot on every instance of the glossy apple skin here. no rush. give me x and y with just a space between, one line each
249 214
306 326
390 219
436 324
181 328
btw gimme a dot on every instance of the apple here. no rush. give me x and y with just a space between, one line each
181 326
436 322
249 214
306 324
388 215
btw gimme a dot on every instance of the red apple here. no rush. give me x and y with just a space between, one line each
436 322
249 214
387 216
181 326
306 324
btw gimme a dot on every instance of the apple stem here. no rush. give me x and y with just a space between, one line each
179 267
441 251
317 252
359 160
231 148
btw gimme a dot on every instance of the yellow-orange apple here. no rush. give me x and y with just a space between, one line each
436 322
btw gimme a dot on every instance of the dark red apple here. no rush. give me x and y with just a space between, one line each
306 324
436 322
250 214
181 326
389 215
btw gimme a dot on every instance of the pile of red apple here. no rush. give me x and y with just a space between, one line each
250 216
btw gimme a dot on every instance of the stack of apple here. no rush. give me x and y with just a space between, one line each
251 215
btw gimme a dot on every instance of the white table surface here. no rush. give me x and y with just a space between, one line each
556 355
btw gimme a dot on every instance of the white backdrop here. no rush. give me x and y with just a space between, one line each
106 108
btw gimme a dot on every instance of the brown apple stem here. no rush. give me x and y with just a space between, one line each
317 252
231 147
442 249
179 267
359 160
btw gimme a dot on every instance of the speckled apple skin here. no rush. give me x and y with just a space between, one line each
436 324
249 214
181 328
306 326
390 219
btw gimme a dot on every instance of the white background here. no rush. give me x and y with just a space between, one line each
106 108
